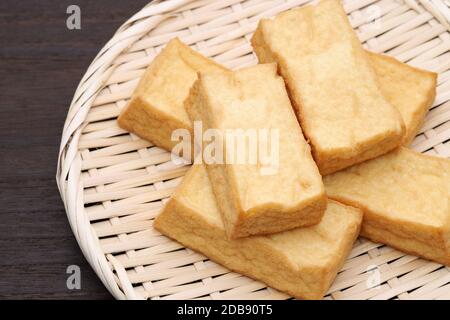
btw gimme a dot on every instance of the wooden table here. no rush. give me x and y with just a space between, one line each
41 64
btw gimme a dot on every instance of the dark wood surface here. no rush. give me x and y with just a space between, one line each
41 63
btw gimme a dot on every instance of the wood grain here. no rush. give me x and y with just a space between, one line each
41 63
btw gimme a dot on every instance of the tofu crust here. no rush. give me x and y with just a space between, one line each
154 120
156 107
332 85
410 90
405 198
302 262
252 202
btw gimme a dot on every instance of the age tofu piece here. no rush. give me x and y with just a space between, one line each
278 191
410 90
156 107
302 262
332 84
405 198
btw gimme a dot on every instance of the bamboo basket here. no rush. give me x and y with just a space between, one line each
113 184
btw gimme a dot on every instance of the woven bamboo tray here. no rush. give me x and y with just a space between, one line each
113 184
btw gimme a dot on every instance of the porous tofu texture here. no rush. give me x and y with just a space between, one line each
410 90
302 262
290 192
156 107
405 198
332 85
